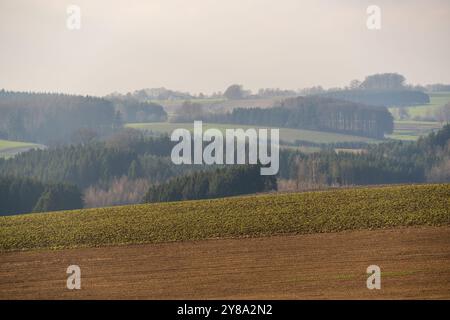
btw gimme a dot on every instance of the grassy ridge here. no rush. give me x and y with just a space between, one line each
325 211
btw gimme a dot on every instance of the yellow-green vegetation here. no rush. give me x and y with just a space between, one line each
263 215
288 135
10 148
7 144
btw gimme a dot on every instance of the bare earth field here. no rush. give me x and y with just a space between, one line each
414 262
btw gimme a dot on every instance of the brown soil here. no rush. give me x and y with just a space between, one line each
414 262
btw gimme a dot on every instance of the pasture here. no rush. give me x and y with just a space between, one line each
10 148
411 130
287 135
437 99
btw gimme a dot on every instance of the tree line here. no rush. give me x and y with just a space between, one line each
133 110
219 183
49 118
23 195
315 113
383 89
427 159
387 97
99 167
97 162
54 119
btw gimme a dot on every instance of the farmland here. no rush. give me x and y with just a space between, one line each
7 144
9 148
437 99
314 245
412 130
414 264
287 135
249 216
403 130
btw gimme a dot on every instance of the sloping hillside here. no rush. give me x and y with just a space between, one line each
311 212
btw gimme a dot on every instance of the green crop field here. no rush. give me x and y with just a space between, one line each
287 135
7 144
9 148
437 99
262 215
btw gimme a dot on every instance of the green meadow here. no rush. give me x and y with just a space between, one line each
287 135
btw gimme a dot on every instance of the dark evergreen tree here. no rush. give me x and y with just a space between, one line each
230 181
59 197
24 195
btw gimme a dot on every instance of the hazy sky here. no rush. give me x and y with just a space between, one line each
205 45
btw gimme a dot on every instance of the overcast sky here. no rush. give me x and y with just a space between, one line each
205 45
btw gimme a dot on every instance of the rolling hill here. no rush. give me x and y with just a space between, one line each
249 216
